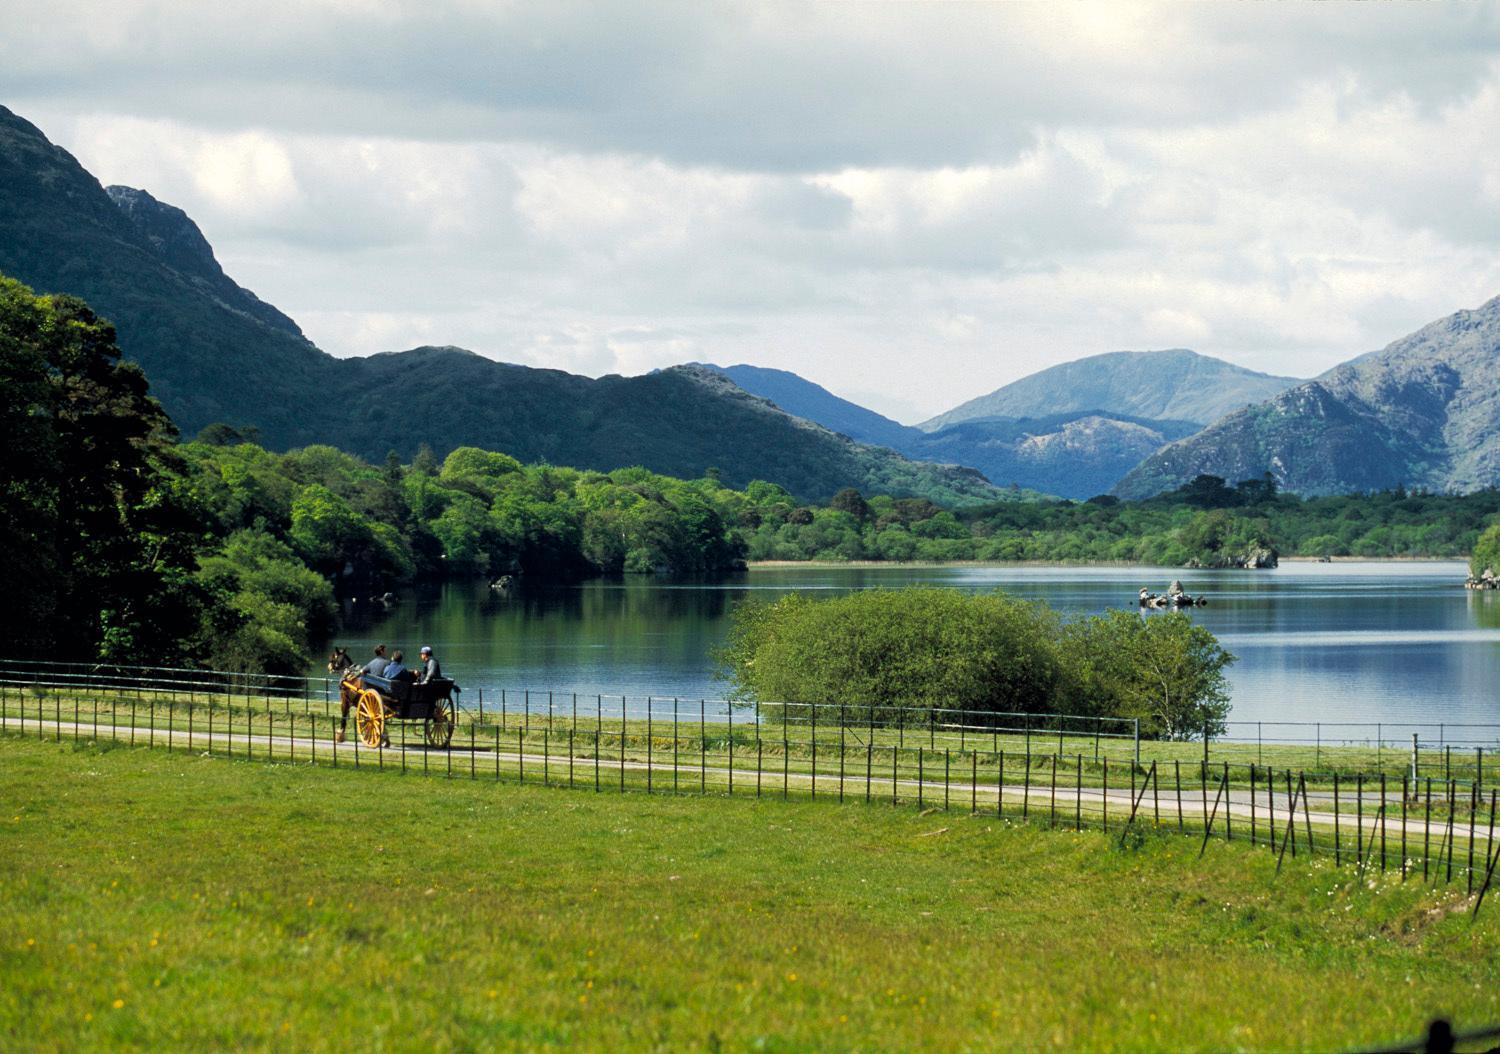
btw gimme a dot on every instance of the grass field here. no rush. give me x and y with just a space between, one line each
179 902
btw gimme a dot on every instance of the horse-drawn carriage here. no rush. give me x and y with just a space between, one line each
378 701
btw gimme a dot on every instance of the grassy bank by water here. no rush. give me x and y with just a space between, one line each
157 901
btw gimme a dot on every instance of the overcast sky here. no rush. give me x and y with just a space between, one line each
911 205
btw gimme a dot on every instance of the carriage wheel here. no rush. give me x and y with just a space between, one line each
369 718
438 729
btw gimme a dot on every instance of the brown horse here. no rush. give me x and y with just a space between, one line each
341 663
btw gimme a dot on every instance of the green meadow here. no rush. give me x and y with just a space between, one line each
177 902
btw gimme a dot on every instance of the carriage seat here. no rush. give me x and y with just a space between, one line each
398 689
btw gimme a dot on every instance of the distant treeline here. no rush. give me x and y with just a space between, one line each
1207 522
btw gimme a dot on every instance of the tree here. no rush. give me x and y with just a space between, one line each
853 502
264 606
96 536
881 649
1486 554
1163 669
220 434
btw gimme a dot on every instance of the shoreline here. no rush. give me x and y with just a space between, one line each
766 565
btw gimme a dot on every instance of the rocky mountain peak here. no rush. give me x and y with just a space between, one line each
173 235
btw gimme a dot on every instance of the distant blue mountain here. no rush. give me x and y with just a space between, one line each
800 397
1076 453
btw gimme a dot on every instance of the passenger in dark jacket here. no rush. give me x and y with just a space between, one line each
397 669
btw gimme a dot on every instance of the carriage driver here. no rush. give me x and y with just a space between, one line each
431 671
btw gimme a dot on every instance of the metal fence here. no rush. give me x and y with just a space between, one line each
1451 750
1428 828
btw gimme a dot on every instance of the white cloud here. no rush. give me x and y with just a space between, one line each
913 202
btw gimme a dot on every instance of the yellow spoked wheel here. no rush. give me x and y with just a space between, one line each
438 729
369 718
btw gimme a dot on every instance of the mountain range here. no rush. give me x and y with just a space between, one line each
1421 412
1173 385
1051 444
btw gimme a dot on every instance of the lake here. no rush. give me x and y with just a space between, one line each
1398 643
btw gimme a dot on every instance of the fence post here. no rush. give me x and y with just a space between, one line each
1228 813
1338 853
1405 797
1252 805
1177 773
1427 829
1473 808
1000 786
1078 795
1052 798
813 709
1383 813
869 766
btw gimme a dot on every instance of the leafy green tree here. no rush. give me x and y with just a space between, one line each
852 502
95 537
1486 554
1163 669
265 606
326 531
881 649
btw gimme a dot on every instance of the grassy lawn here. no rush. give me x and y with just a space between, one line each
177 902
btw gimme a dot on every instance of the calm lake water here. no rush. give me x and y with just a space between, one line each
1344 642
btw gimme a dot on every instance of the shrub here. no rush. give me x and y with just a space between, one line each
925 648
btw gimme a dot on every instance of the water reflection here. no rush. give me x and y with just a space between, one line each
1396 642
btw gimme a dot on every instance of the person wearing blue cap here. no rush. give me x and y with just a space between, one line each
431 671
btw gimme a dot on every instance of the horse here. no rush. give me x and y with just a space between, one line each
340 662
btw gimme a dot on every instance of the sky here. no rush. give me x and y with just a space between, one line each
911 204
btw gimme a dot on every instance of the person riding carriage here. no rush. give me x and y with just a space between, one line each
381 691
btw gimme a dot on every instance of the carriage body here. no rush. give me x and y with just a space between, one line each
380 700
